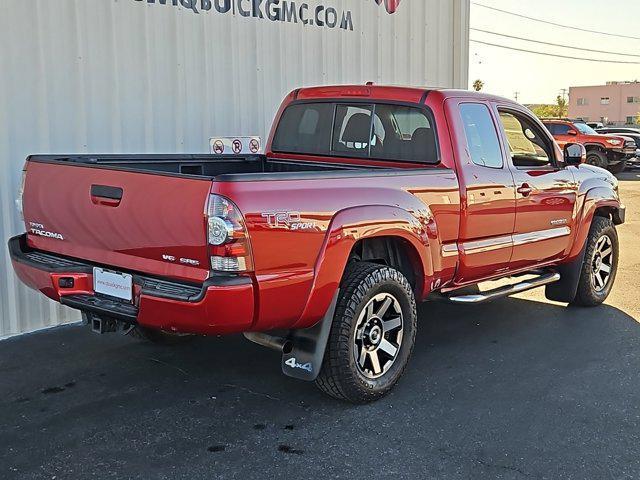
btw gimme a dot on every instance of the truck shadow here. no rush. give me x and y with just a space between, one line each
222 396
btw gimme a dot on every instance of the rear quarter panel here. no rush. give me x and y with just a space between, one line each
294 278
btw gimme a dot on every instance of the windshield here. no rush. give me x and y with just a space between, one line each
584 128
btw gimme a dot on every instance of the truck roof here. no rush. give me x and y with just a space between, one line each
389 92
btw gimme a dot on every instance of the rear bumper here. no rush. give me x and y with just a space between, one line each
219 305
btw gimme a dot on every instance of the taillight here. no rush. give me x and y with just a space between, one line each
229 246
21 193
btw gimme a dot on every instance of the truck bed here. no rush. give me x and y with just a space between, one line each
213 167
137 211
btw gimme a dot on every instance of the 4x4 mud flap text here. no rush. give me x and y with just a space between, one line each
305 358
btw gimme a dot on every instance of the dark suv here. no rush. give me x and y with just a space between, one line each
632 133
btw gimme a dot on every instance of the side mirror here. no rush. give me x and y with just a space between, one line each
572 133
575 154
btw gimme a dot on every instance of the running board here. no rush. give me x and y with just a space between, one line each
505 291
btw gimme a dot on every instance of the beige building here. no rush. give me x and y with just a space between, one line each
616 103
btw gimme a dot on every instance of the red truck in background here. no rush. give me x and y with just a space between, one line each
368 200
603 150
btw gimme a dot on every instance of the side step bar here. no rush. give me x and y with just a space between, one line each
505 291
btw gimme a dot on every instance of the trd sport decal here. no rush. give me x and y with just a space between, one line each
390 5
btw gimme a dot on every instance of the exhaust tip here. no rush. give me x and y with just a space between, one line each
284 345
287 347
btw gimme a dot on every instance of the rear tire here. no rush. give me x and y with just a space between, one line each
372 334
160 337
600 264
597 158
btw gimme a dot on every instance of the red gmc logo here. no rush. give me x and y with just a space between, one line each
390 5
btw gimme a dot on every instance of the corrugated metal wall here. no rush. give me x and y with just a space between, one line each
131 76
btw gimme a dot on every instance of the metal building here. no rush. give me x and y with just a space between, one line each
132 76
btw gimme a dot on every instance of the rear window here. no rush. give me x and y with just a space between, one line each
362 130
352 133
305 128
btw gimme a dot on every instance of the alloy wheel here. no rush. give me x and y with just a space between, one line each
602 263
378 335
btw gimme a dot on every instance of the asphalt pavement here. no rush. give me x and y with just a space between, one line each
520 388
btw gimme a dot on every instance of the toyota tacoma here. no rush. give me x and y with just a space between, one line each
603 150
368 200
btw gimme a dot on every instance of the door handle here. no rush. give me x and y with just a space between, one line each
524 190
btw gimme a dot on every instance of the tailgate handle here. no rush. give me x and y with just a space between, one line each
106 195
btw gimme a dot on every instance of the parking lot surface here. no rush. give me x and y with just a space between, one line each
520 388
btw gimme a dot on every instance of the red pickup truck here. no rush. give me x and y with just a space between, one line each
603 150
368 200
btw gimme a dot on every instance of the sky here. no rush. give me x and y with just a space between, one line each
539 79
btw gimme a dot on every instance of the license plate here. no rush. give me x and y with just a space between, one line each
114 284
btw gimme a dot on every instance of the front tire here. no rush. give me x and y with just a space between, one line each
600 264
372 334
597 158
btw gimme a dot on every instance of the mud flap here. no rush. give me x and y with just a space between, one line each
566 288
305 358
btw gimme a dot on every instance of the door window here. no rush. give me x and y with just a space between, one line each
528 146
560 129
482 138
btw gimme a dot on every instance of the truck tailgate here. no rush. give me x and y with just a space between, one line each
140 222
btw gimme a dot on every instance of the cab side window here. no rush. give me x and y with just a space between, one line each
528 145
404 133
482 137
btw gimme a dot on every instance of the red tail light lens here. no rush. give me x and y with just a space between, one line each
229 246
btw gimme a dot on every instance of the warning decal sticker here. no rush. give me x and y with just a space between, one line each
235 145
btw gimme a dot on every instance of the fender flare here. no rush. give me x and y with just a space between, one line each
595 198
597 145
347 228
565 290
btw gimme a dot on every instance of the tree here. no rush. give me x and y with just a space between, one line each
638 119
478 85
559 110
562 107
545 111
